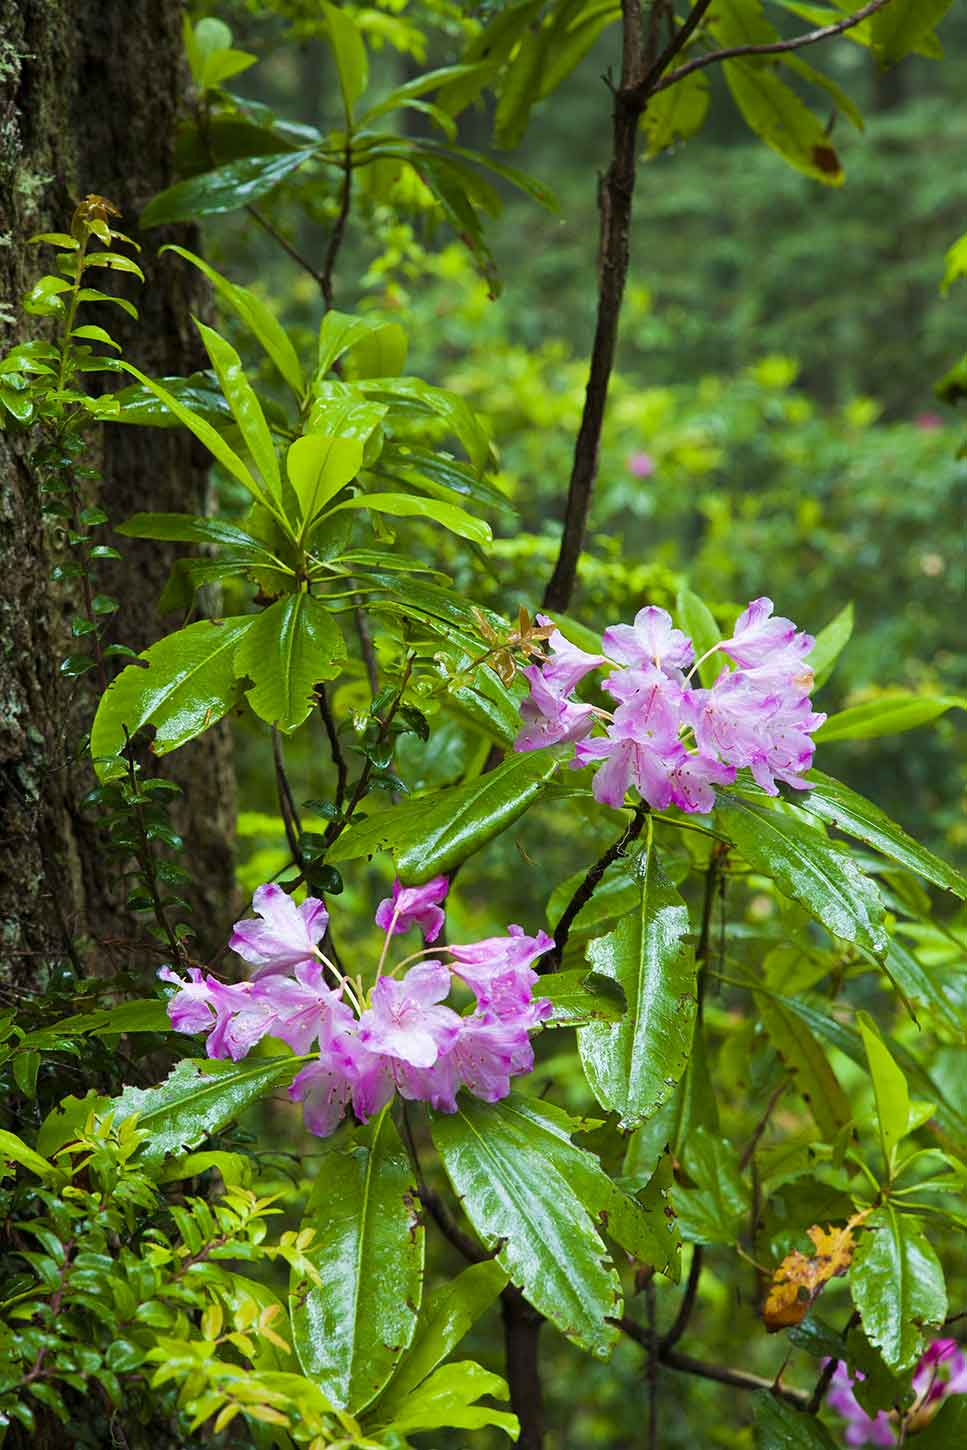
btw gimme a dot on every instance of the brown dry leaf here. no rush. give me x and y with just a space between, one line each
800 1278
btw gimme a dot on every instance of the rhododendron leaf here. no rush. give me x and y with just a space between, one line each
199 1097
889 1089
226 188
785 123
318 466
851 813
948 1429
404 505
697 620
906 26
350 1330
446 1401
188 685
579 997
807 1065
290 648
616 893
714 1208
804 866
830 643
524 1208
898 1287
352 65
245 406
783 1427
630 1064
430 836
888 715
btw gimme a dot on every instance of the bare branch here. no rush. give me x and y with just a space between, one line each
339 229
685 1308
589 885
335 748
722 1374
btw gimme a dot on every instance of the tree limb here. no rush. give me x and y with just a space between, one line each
589 885
722 1374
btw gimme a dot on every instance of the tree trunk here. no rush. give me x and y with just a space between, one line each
90 92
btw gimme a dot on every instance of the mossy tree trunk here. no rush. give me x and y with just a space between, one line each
90 93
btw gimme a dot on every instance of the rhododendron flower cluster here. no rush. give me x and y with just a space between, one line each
401 1037
671 739
942 1371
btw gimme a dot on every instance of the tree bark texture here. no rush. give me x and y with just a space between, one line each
90 92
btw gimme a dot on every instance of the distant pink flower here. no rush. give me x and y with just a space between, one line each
405 1021
641 465
942 1371
651 640
414 906
929 422
287 934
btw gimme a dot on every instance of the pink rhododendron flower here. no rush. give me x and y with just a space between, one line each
411 906
861 1429
568 664
651 640
405 1020
941 1371
549 717
630 760
287 934
191 1009
304 1007
641 465
758 635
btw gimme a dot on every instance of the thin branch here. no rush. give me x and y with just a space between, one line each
761 1126
775 47
338 758
829 1369
722 1374
339 229
366 647
675 46
290 816
685 1308
652 1367
436 1207
286 245
589 885
522 1328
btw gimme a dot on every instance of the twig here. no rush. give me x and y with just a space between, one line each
145 857
761 1126
287 246
589 885
685 1308
775 47
436 1207
290 816
336 828
652 1367
339 229
829 1369
338 758
675 46
366 648
722 1374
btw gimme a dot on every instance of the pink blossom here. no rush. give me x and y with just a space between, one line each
628 760
495 954
287 934
548 716
861 1429
650 706
928 422
942 1371
641 465
692 779
324 1086
758 635
567 665
241 1020
652 640
414 906
192 1008
404 1020
305 1008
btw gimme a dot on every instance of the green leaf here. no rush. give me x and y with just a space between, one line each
948 1429
257 316
26 1065
446 1400
715 1208
341 333
842 808
145 1015
435 833
380 354
898 1287
445 1317
91 294
808 1065
889 1089
777 115
193 529
412 397
616 894
198 392
245 406
66 1119
579 997
523 1207
888 715
697 620
677 113
289 649
15 1150
225 189
96 334
114 262
350 53
915 983
197 1099
782 1427
904 26
351 1330
830 642
188 685
402 505
318 466
805 867
630 1064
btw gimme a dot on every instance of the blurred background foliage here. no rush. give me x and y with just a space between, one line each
772 429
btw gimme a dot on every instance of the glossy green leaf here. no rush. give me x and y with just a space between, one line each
579 997
805 867
697 620
199 393
523 1207
616 894
851 813
227 188
630 1064
889 1089
351 1330
917 984
437 832
676 114
90 333
15 1150
830 643
898 1287
257 316
289 649
887 715
350 53
447 1401
782 1427
445 1317
776 114
188 685
402 505
245 406
319 465
808 1065
380 354
692 1105
194 529
147 1014
198 1098
715 1208
411 397
904 26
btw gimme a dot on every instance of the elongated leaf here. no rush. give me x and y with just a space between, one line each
841 807
714 1210
809 1066
319 466
889 1089
447 1400
579 997
445 1317
188 685
198 393
257 316
523 1207
917 984
289 649
827 882
199 1097
676 114
904 26
245 407
949 1428
630 1064
782 1427
350 52
15 1150
618 892
193 529
412 397
227 188
898 1287
431 510
888 715
697 620
434 834
830 643
783 121
429 81
340 333
352 1329
147 1015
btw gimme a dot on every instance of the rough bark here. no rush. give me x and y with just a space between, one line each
90 92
